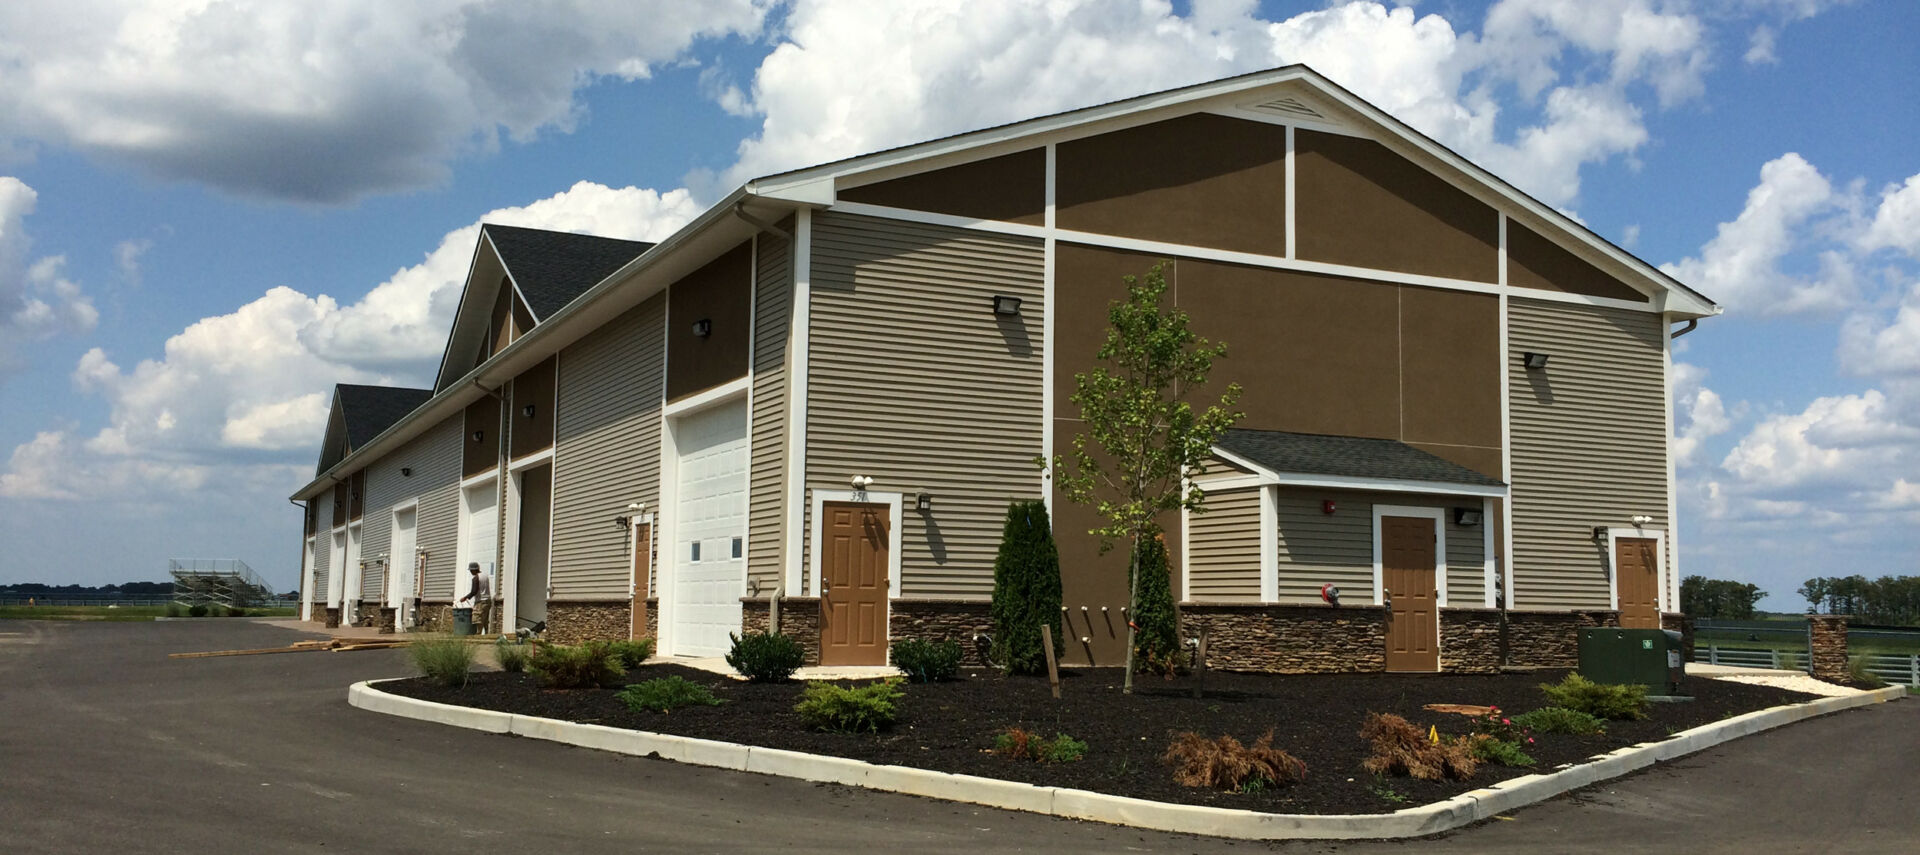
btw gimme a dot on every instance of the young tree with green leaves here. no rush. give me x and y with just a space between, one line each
1140 436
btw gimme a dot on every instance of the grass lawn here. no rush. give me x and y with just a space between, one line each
110 613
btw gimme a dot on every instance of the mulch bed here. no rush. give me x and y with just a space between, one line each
951 726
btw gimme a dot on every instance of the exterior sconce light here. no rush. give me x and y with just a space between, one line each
1466 517
406 472
702 328
1006 305
1533 361
1327 506
1641 520
527 411
620 523
923 502
860 482
479 435
1599 533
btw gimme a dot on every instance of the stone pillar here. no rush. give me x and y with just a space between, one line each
387 618
1828 634
333 617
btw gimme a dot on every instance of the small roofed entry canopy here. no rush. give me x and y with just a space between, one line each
1349 462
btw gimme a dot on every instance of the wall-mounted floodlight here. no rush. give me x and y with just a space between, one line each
1004 304
1533 361
702 328
923 502
479 435
1466 517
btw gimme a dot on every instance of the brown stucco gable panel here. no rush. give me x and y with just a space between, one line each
1010 188
478 457
719 293
1360 204
1535 262
1201 180
1450 369
533 388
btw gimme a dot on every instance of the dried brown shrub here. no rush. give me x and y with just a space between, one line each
1226 764
1018 744
1399 748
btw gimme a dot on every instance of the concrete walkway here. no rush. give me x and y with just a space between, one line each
718 665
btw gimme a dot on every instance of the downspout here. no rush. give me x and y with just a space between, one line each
1691 324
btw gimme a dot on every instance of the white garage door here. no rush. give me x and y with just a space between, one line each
480 536
710 530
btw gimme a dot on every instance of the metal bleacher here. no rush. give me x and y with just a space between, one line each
217 582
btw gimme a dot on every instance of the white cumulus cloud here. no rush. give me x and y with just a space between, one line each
37 300
323 102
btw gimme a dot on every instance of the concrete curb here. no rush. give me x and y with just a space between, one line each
1452 813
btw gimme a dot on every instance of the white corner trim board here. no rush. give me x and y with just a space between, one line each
1452 813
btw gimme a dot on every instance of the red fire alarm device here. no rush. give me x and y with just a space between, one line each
1326 507
1330 594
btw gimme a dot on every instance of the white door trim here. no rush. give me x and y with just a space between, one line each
1439 517
306 580
894 502
1614 534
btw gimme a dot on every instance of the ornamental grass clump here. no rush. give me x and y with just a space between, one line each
765 657
1223 763
1399 748
592 665
1017 743
927 661
869 708
1600 700
444 660
1561 720
666 694
512 656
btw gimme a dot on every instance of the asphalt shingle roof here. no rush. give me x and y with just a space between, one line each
1346 456
552 268
368 410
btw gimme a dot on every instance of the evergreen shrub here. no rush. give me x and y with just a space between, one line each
666 694
869 708
1156 642
583 666
927 661
765 657
1026 589
1600 700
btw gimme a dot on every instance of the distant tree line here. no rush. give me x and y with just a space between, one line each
1888 600
1718 599
129 589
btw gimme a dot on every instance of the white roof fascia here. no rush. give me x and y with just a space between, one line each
568 325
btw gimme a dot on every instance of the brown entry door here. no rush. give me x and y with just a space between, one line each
1413 613
1636 568
642 570
853 600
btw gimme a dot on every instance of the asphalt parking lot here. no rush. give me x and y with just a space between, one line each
108 746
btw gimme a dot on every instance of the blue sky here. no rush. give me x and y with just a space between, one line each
212 211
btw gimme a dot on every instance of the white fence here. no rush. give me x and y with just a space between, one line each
1894 668
1747 657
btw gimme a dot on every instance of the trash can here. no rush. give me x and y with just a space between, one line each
1649 657
463 621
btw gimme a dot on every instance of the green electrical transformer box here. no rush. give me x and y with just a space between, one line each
1648 657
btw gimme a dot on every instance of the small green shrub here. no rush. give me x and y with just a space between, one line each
512 656
666 694
443 660
870 708
927 661
1500 751
175 610
1022 744
236 611
1497 725
1597 699
765 657
1560 720
1225 764
632 653
198 610
584 666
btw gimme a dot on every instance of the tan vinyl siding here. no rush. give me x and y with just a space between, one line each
607 453
767 478
322 548
1317 548
914 381
1589 444
1224 548
434 458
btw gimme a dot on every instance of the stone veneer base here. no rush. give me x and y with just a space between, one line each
932 620
576 621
